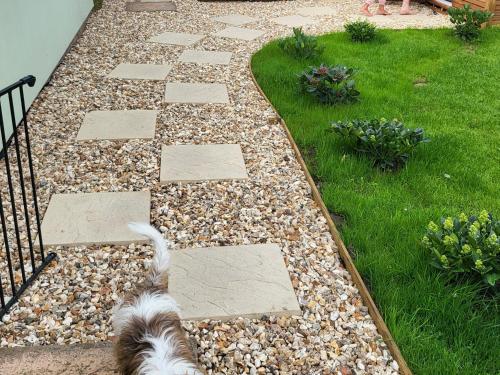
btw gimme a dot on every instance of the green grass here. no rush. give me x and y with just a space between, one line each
441 327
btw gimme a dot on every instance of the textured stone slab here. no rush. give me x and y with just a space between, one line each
94 218
118 125
140 71
232 281
180 39
239 33
198 93
235 19
317 11
205 57
150 6
294 21
192 163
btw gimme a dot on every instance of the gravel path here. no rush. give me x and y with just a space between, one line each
71 301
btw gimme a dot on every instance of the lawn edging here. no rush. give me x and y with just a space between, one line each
344 254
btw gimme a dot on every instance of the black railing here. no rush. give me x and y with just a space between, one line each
18 267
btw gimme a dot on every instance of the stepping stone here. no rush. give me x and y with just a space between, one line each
294 21
193 163
137 124
180 39
239 33
205 57
197 93
230 282
150 6
317 11
234 19
94 218
140 71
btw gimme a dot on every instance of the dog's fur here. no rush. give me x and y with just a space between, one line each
150 339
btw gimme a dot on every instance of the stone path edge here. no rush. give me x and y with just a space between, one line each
344 253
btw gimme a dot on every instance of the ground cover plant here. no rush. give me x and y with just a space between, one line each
361 31
428 79
329 84
468 21
300 45
388 142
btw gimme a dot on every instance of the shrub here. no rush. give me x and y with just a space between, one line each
389 143
300 45
329 84
361 31
466 245
468 22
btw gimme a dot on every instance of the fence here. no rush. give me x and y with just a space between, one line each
21 257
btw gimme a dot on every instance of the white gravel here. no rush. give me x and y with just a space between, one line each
71 301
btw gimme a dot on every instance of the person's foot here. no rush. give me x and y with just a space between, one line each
383 12
407 12
364 10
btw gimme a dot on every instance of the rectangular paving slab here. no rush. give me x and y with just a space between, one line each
230 282
150 6
135 124
294 21
239 33
197 93
140 71
192 163
234 19
94 218
205 57
180 39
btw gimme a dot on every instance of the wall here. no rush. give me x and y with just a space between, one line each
34 34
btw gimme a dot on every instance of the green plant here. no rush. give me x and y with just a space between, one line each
389 143
468 22
329 84
361 31
466 245
300 45
98 4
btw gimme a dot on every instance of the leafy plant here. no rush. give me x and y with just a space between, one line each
468 245
361 31
329 84
300 45
389 143
468 22
98 4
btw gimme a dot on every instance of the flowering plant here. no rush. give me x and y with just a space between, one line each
329 84
466 245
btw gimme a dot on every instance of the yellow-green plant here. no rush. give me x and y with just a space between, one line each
466 245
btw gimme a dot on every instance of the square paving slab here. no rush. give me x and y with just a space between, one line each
180 39
118 125
192 163
234 19
239 33
197 93
205 57
94 218
294 21
150 6
140 71
232 281
317 11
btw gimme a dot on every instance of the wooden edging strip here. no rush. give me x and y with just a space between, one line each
344 254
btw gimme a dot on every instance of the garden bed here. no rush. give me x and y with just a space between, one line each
428 79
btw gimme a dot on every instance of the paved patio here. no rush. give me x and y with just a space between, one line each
256 196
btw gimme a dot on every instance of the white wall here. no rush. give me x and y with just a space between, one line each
34 34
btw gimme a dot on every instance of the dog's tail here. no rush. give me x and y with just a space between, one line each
161 259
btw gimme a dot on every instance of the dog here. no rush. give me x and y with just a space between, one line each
150 339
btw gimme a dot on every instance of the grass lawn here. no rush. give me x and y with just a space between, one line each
441 327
